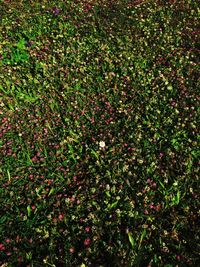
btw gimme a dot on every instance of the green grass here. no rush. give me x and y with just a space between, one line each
99 135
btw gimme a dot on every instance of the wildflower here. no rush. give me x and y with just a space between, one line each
149 181
108 187
165 249
102 144
151 206
72 199
34 159
178 257
87 241
161 155
56 11
154 185
61 217
30 43
2 247
72 250
87 229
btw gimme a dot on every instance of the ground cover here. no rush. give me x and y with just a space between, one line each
99 135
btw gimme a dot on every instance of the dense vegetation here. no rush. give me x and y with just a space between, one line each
99 137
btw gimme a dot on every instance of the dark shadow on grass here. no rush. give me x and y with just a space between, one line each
109 17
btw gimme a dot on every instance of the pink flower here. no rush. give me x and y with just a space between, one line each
72 199
161 155
149 181
8 240
54 220
178 257
72 250
87 229
61 217
2 247
34 159
4 120
154 185
87 241
151 206
92 120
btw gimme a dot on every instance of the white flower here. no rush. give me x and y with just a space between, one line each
102 144
108 187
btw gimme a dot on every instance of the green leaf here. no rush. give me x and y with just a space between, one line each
177 198
131 239
155 258
21 44
29 256
94 203
11 107
38 190
9 177
108 194
195 153
72 152
142 237
51 191
71 149
29 210
95 154
162 184
113 205
3 219
5 92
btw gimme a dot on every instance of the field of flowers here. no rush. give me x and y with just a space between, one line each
99 134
